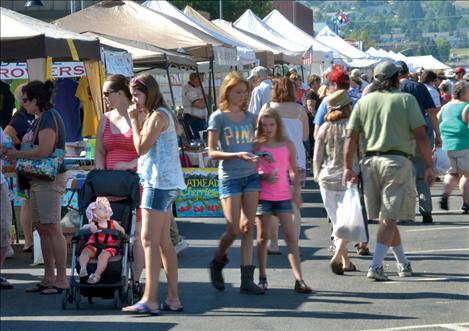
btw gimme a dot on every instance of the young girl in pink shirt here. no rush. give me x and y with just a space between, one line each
277 162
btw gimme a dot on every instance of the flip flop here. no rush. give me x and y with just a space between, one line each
269 252
140 309
351 267
167 307
36 288
53 290
337 268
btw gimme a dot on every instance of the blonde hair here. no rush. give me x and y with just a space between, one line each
273 114
230 81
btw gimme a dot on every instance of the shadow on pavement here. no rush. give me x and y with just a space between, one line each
83 325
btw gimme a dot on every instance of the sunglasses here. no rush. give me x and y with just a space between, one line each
107 93
25 99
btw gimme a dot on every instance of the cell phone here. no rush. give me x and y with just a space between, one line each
266 155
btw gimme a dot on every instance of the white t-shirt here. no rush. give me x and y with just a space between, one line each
189 95
435 95
260 96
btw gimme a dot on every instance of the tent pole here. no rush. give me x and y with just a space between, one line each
302 74
213 84
202 88
170 85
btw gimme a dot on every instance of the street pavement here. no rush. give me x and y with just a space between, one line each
435 298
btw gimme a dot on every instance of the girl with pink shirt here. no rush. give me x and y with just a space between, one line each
277 162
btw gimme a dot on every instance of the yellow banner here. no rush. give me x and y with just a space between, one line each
73 49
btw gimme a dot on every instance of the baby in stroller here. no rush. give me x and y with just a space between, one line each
99 244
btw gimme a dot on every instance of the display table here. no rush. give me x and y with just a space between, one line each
199 158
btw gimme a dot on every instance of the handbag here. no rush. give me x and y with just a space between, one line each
45 168
350 223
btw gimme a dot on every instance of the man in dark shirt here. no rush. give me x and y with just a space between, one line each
428 109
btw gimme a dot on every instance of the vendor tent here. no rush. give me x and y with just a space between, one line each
426 62
24 38
245 54
257 42
332 40
129 20
250 23
279 23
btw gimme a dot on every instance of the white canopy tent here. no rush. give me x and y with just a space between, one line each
257 42
332 40
245 55
250 23
426 62
279 23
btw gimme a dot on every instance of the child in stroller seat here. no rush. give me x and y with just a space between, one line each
99 244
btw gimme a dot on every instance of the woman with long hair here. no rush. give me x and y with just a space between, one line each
160 171
232 127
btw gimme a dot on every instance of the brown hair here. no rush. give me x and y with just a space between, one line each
119 83
283 90
336 115
273 114
313 79
149 86
43 92
229 82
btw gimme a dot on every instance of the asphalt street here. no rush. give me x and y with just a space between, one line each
435 298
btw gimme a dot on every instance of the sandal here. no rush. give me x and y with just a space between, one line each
363 251
5 284
337 268
351 267
271 252
52 290
263 283
36 288
141 309
83 273
93 279
301 287
165 306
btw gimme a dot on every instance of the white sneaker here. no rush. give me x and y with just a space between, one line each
404 270
180 246
10 252
377 274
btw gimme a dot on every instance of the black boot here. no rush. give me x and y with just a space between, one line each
247 281
216 277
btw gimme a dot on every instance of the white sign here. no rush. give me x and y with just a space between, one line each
118 63
19 70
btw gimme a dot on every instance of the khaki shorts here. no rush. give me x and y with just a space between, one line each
459 161
5 215
46 199
389 187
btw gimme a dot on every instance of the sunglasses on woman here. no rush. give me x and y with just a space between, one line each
107 93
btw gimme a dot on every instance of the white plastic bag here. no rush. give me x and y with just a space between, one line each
350 224
37 258
441 162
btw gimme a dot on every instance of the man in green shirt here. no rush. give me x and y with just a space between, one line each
390 123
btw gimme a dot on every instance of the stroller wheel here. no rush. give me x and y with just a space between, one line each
65 298
117 300
77 298
130 296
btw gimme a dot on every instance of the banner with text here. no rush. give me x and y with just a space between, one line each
19 70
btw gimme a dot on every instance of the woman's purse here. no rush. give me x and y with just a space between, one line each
45 168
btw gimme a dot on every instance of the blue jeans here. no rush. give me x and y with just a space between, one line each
158 200
238 186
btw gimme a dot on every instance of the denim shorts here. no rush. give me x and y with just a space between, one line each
158 200
234 187
266 207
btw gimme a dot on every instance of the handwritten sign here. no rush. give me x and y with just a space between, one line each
201 198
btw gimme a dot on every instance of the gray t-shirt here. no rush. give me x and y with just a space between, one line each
234 137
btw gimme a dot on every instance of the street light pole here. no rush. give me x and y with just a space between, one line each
220 4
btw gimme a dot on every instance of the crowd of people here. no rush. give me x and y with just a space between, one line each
266 133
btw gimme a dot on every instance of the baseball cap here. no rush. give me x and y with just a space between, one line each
258 71
339 76
459 70
386 70
404 69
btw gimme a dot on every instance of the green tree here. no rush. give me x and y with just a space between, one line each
443 48
232 9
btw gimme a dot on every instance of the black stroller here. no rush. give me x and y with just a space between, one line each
117 281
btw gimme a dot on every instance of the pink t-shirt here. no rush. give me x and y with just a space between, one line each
281 189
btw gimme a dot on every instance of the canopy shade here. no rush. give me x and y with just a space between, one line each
245 54
257 42
146 55
24 37
279 23
332 40
426 62
129 20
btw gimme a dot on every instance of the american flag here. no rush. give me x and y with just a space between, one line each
308 56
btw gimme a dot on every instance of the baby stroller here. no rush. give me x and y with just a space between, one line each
117 281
